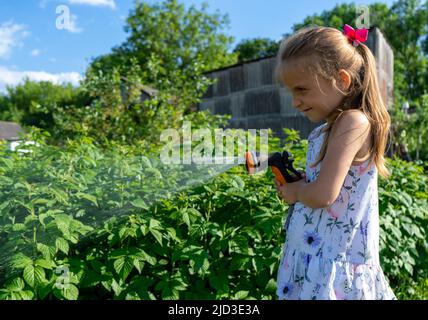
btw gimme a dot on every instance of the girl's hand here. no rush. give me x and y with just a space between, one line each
288 191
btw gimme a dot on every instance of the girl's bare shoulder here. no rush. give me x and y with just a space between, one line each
357 116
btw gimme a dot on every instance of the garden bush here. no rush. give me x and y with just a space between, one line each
84 222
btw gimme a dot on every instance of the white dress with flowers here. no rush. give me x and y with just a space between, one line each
333 253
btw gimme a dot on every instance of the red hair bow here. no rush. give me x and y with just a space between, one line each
356 36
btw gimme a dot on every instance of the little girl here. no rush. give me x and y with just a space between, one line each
331 249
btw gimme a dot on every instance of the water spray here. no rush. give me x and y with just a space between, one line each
136 171
154 181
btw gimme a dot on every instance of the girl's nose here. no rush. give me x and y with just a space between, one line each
296 102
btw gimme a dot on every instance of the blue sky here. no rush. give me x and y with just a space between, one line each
32 45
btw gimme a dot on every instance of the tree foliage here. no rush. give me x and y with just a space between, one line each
250 49
35 103
180 43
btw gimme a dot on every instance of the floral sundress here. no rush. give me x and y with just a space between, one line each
332 253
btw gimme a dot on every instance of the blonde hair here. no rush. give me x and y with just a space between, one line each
329 50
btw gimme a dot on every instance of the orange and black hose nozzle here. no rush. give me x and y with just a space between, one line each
282 168
281 165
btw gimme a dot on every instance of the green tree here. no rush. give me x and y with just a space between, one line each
177 44
35 103
412 17
346 13
250 49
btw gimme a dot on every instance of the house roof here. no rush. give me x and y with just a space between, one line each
10 131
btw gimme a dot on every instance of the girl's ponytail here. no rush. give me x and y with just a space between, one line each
374 108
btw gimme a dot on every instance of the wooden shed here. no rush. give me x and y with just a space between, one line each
10 131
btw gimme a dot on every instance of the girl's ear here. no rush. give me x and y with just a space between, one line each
345 79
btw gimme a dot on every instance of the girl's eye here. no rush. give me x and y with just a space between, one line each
301 90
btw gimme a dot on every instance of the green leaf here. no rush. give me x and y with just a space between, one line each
396 231
144 230
41 201
237 182
34 275
157 235
139 203
91 279
170 294
47 264
118 253
44 289
178 284
172 234
144 256
46 250
117 289
88 197
417 232
258 263
146 162
409 268
170 288
16 284
123 267
139 265
239 263
194 212
21 261
107 284
15 295
26 295
240 295
154 224
18 227
271 286
186 217
62 245
69 292
199 263
7 162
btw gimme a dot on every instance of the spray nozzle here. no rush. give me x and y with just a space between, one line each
281 165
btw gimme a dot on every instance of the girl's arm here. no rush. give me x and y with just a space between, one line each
347 137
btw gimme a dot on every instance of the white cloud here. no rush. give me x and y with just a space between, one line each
11 35
35 52
105 3
13 78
